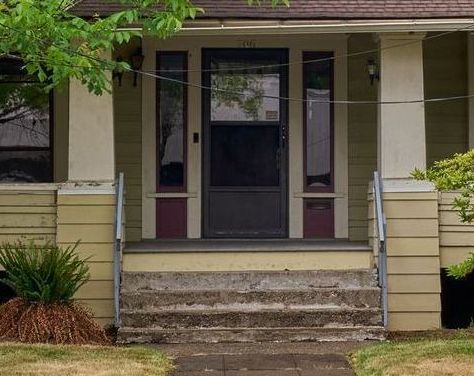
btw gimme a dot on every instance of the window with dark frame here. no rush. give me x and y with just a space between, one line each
171 137
318 112
318 122
171 122
26 153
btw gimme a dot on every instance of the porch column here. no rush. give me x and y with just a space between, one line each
470 73
86 203
401 127
411 207
91 135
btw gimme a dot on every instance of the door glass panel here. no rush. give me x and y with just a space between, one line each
244 156
231 78
319 146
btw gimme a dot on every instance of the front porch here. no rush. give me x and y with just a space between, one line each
321 216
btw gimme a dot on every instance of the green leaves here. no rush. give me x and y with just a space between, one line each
455 174
461 270
56 45
44 274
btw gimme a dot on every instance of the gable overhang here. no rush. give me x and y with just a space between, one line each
272 27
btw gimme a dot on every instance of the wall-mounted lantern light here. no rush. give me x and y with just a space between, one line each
372 70
137 62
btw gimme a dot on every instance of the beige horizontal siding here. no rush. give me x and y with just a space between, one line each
413 262
445 74
456 238
362 136
90 219
27 215
128 146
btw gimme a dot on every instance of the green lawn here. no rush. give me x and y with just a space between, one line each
417 357
48 360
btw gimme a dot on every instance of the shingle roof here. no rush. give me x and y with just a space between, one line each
313 9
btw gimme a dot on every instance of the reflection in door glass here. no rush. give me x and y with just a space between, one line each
241 94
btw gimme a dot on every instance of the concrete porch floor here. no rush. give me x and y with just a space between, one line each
244 245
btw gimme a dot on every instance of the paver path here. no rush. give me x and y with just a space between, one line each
262 359
263 365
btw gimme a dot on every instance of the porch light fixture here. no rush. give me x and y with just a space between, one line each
372 69
117 73
136 62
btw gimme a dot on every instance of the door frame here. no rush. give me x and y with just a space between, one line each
283 55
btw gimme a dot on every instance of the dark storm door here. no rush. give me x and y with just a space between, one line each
245 143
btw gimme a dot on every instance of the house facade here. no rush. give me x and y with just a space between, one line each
248 143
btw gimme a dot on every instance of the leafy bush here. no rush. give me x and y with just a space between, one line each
461 270
44 274
455 174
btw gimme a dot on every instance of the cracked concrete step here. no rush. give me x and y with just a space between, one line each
249 280
220 335
275 299
308 318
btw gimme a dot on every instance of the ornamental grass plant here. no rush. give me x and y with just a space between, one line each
45 279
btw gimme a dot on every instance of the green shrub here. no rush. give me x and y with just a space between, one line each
455 174
462 269
45 274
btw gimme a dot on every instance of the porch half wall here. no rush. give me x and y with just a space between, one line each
49 213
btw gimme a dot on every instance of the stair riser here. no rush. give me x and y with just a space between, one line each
259 319
180 300
128 335
258 280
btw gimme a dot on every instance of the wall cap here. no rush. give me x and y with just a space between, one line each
87 188
404 185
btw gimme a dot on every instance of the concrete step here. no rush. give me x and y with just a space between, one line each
249 280
220 335
245 300
269 318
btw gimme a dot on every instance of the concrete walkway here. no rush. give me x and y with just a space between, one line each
269 359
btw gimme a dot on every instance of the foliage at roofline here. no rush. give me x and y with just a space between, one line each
57 46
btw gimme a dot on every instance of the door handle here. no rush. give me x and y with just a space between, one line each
278 159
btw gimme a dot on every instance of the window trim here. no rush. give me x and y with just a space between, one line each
314 55
50 148
184 186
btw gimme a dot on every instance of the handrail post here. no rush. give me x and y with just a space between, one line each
382 244
118 246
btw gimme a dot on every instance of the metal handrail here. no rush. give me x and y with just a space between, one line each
118 246
382 244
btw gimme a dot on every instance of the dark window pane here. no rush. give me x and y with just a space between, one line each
25 150
255 84
171 120
24 116
25 166
244 156
318 89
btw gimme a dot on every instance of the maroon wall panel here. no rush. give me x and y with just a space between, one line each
171 217
318 218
